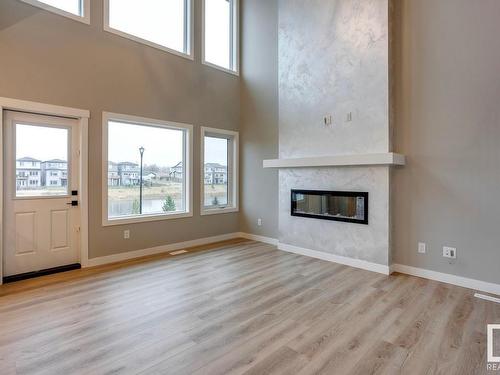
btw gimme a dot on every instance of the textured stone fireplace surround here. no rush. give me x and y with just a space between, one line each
334 59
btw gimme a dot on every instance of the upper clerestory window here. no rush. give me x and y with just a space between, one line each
221 35
162 24
78 10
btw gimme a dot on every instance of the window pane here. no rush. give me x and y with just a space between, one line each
162 174
158 21
216 177
71 6
41 161
218 32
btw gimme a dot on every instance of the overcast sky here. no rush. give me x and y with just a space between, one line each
71 6
41 143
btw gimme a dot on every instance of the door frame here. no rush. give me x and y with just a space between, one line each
83 117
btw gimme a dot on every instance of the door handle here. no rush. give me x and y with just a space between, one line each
72 203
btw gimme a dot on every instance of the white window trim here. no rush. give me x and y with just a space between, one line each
188 158
84 19
235 40
235 173
189 39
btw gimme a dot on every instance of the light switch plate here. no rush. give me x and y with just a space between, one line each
422 248
449 252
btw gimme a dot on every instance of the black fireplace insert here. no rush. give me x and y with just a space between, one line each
346 206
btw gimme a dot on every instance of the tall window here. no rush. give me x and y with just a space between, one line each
163 24
220 44
146 170
219 171
75 9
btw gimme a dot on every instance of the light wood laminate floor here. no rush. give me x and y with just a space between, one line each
240 308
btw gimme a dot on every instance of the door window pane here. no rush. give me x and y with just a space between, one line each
159 21
70 6
216 172
162 174
41 161
218 32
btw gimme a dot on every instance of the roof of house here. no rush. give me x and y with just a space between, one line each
55 161
215 165
27 158
128 163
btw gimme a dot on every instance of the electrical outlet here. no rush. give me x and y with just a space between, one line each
259 222
422 248
126 234
449 252
327 120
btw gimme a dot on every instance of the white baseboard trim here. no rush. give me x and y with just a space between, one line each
465 282
255 237
447 278
357 263
487 298
159 249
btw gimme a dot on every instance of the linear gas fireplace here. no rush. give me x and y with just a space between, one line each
347 206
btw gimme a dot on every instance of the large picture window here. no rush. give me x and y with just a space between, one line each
75 9
146 170
163 24
220 34
219 166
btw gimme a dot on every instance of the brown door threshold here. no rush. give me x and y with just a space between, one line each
49 271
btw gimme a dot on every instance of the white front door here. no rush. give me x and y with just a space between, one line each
41 163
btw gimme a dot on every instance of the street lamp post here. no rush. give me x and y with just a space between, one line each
141 151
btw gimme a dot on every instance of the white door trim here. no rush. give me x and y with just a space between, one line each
52 110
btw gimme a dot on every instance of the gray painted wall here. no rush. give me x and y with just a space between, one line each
51 59
448 123
259 116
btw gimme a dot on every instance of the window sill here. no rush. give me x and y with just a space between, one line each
145 219
218 211
147 43
229 71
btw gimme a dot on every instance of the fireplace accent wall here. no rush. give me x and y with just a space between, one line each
346 206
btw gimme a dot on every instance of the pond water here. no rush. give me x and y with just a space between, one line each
124 207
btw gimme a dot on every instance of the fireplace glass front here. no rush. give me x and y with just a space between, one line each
344 206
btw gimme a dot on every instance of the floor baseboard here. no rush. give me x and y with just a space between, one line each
487 298
447 278
357 263
159 249
465 282
478 285
258 238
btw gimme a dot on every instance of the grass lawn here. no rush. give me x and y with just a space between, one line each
173 189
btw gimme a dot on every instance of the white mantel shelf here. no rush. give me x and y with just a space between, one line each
386 159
